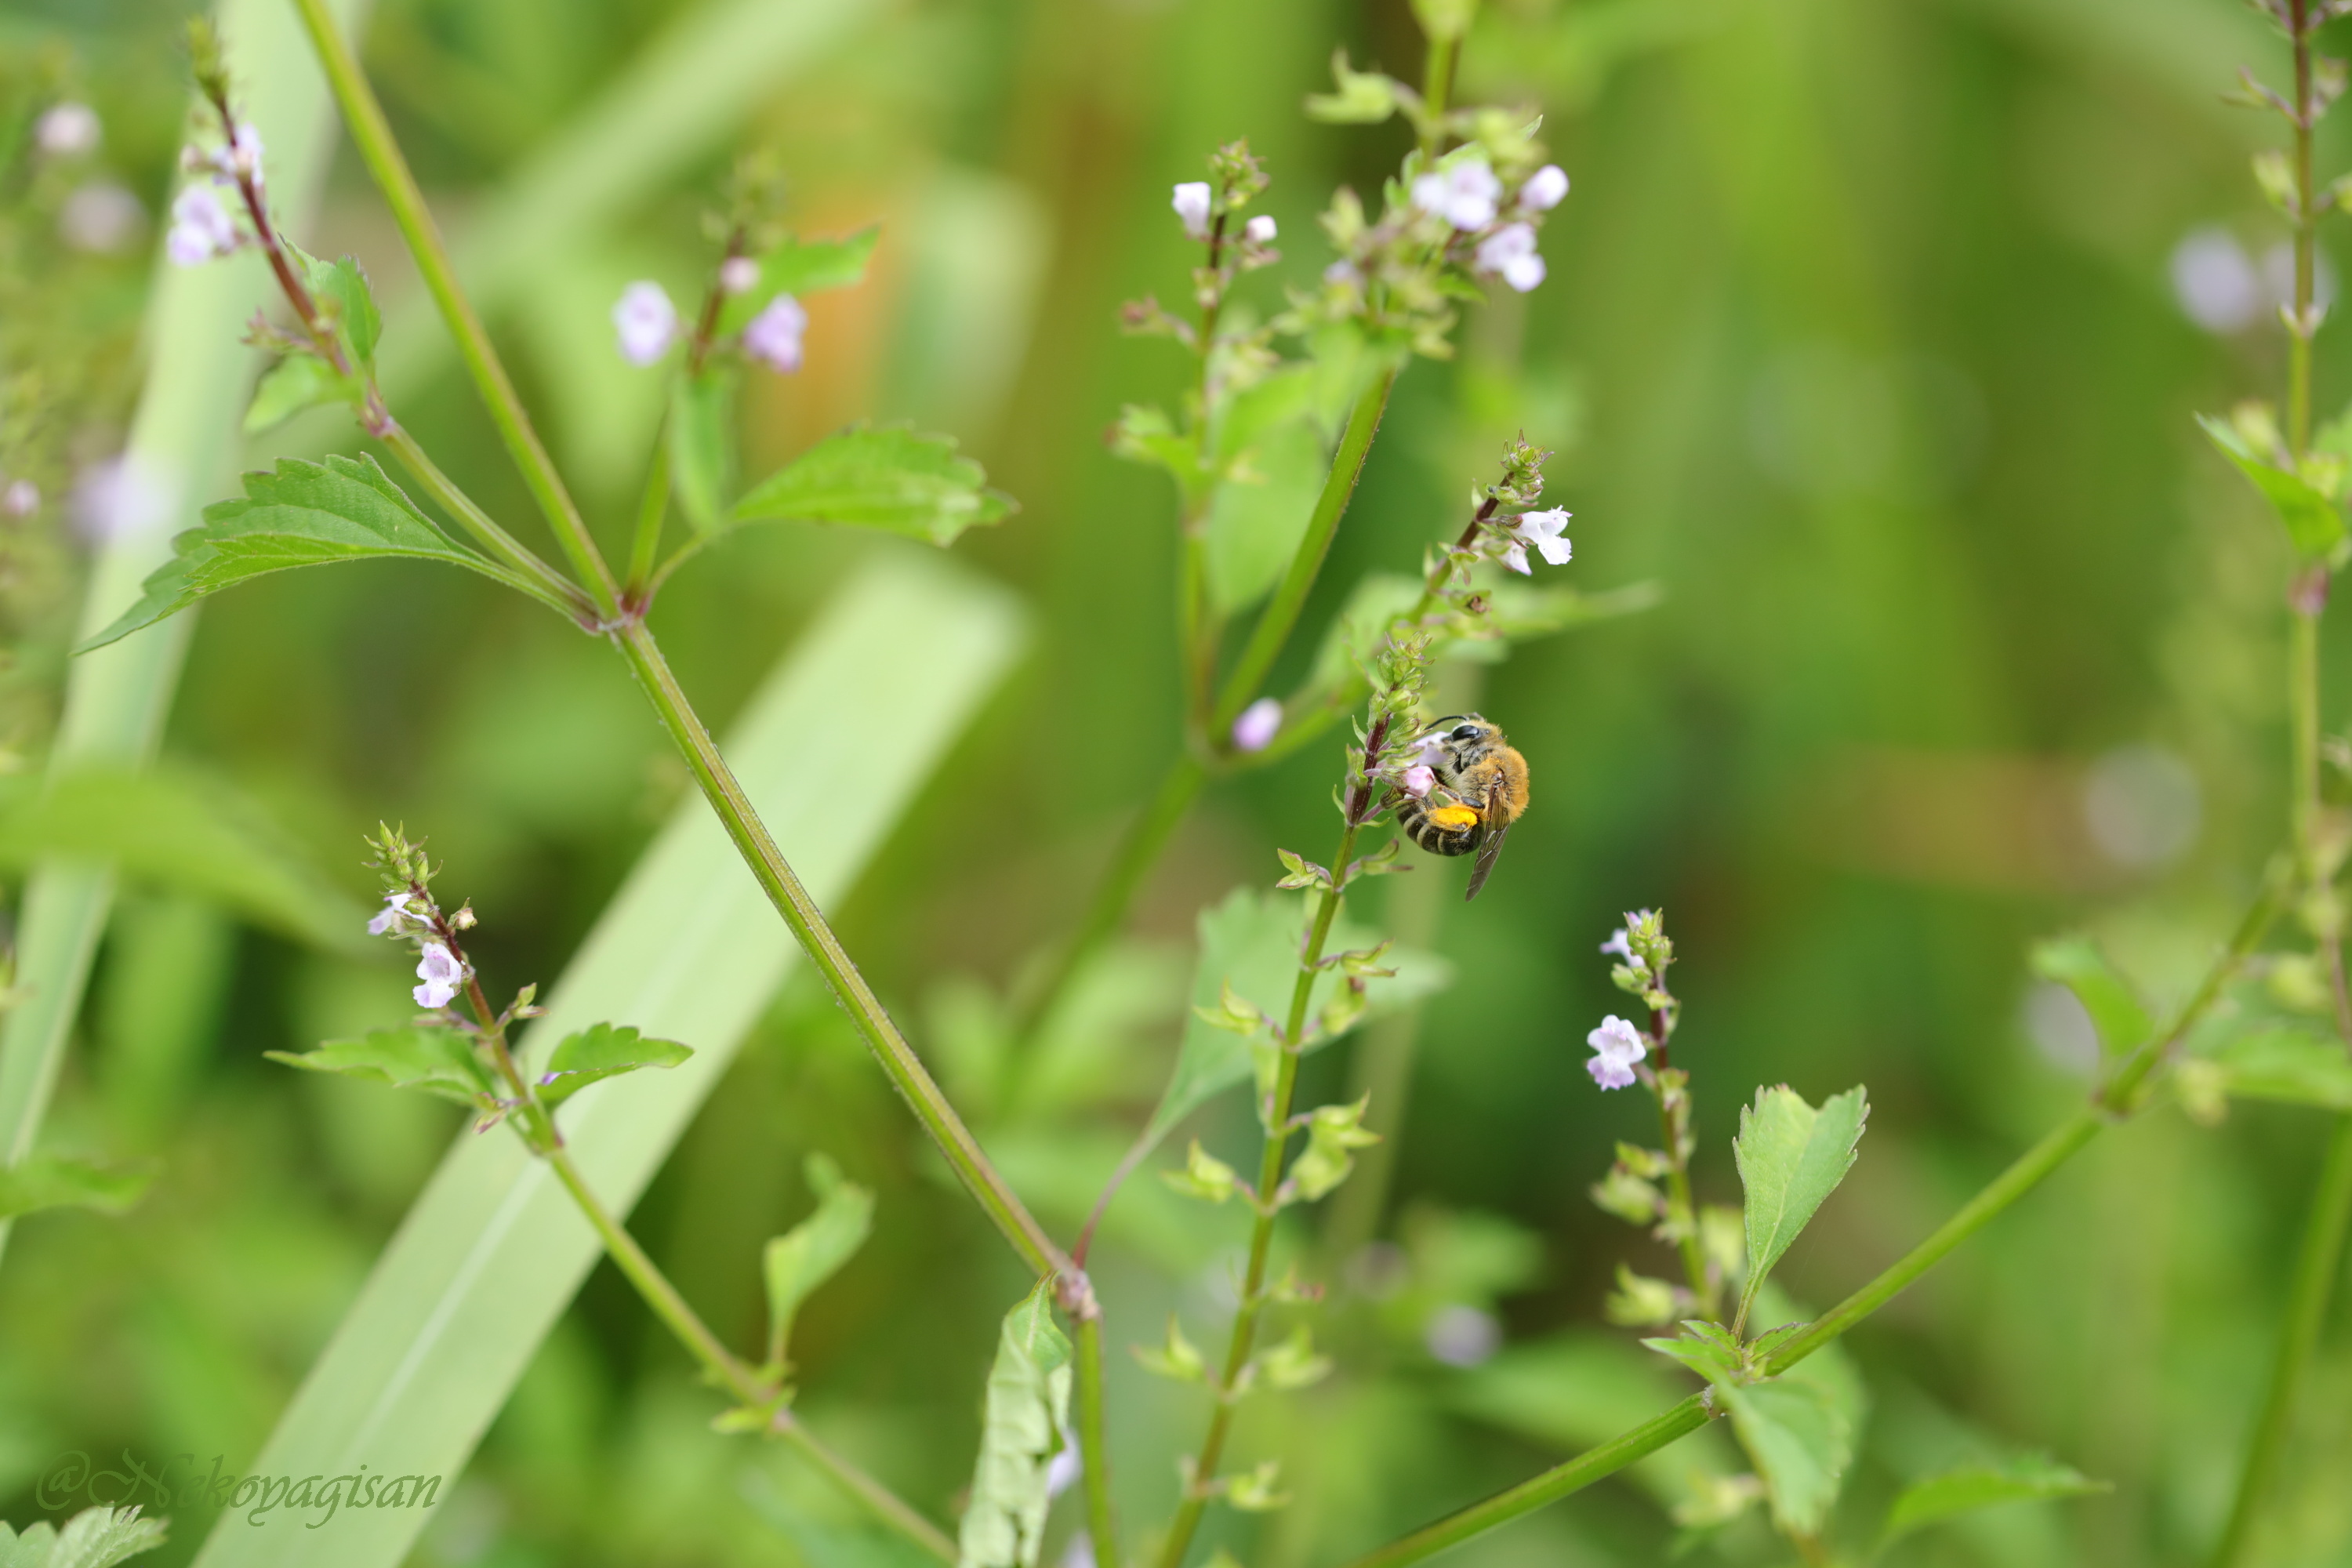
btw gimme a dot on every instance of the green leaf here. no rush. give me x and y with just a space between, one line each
702 438
602 1051
95 1537
342 292
889 478
2115 1009
2285 1063
1261 511
1022 1423
1799 1430
1790 1157
299 381
483 1266
1144 433
440 1062
1714 1356
814 1251
798 266
2021 1478
2312 521
1250 942
49 1182
301 514
175 829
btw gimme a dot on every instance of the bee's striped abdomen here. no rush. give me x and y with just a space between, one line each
1412 815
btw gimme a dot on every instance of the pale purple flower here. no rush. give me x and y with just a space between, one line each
1511 251
439 968
396 909
1190 200
243 154
773 336
739 275
21 498
1079 1552
1063 1470
2215 281
1429 750
1542 529
646 322
1255 727
1417 781
1620 944
1463 195
1544 189
1259 230
68 129
1616 1047
117 499
1462 1335
100 217
1342 272
200 228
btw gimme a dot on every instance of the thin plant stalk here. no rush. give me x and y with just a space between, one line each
653 510
381 154
372 135
1093 1448
2117 1099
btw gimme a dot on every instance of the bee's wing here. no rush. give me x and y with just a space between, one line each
1490 841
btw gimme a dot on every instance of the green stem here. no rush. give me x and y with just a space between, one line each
1679 1201
1280 616
2022 1176
777 880
2317 1267
1436 86
532 575
2298 362
372 135
1094 1448
1187 1520
653 509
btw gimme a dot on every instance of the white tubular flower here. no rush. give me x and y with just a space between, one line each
200 228
1190 201
647 323
1616 1047
1619 945
773 336
1463 195
1542 529
439 968
1417 781
1511 252
1259 230
396 910
739 275
1544 189
244 153
21 498
1063 1470
1429 751
68 129
1254 729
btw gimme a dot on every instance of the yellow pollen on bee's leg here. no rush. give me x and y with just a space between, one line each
1454 818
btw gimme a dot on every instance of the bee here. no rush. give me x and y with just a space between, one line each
1482 788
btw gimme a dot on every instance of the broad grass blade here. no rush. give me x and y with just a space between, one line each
493 1249
182 440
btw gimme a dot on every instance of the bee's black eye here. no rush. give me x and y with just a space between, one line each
1466 732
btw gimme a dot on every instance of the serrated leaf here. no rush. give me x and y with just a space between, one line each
1790 1157
602 1051
95 1537
888 478
1250 943
814 1251
2021 1478
299 381
1799 1430
2115 1009
2286 1064
441 1062
1026 1413
2313 522
299 514
49 1182
798 266
1709 1358
700 436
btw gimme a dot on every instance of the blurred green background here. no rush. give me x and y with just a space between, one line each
1872 334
